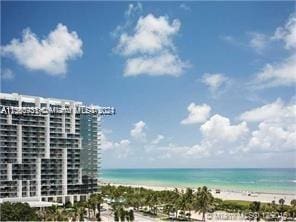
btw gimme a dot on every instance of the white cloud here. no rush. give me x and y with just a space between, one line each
185 7
164 64
197 113
197 151
272 137
176 151
7 74
230 39
151 35
121 148
287 33
50 54
133 9
258 41
149 48
270 112
157 139
138 131
214 81
105 143
219 128
276 131
280 74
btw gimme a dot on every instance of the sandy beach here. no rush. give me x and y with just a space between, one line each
226 194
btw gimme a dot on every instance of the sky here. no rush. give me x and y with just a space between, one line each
194 84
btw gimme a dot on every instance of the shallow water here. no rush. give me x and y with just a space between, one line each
261 180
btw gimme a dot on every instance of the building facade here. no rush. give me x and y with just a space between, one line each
47 156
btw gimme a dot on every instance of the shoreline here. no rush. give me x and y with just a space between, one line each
264 197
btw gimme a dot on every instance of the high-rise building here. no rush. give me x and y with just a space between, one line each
49 149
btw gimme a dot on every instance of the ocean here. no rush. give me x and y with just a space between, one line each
255 180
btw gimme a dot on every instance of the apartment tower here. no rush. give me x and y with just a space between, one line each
47 156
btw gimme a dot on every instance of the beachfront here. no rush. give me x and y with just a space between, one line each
167 203
225 194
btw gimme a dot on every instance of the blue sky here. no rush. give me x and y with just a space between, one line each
195 84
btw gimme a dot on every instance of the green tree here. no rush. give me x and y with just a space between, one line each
54 213
203 201
189 203
281 201
116 217
281 209
131 215
255 206
122 214
17 212
78 210
98 200
92 204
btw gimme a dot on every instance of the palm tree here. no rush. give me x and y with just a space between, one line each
131 215
99 201
203 201
172 198
54 213
189 203
75 211
255 207
182 203
78 211
51 213
122 214
282 202
167 209
91 205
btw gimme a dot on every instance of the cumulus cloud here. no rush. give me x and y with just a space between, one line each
287 33
164 64
121 148
197 151
151 35
149 48
157 139
7 74
258 41
219 128
219 136
185 7
278 74
133 9
50 54
269 112
271 137
105 143
214 81
138 132
197 113
276 129
275 133
282 73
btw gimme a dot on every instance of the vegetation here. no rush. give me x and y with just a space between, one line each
166 205
178 205
17 212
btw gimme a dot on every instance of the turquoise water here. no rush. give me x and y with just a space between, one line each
261 180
